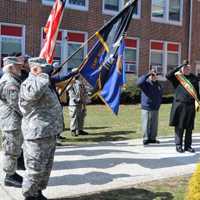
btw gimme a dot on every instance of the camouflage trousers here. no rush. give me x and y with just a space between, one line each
11 146
38 156
77 115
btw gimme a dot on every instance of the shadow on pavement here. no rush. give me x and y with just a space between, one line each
102 137
97 127
126 194
91 152
94 178
104 163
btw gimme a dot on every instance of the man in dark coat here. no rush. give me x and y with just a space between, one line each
183 107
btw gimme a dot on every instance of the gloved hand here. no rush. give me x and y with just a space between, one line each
47 70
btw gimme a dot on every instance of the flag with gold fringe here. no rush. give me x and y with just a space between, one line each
101 62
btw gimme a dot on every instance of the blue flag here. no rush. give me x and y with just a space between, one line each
104 62
111 90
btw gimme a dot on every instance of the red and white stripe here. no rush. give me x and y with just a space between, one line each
51 29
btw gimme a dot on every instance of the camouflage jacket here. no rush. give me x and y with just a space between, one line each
10 115
77 93
42 112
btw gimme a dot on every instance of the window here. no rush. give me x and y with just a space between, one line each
172 55
164 56
66 44
72 4
21 1
11 40
77 59
158 8
131 55
58 52
74 42
167 11
111 7
77 2
174 10
157 55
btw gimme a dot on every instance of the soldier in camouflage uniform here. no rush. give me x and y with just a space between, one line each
77 106
42 121
10 119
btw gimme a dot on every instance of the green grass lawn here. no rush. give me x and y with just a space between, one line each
166 189
102 125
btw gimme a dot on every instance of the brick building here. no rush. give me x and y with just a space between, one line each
162 32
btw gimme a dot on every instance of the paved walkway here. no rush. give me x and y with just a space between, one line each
111 165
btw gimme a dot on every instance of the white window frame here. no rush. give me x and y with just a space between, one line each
111 12
23 1
14 37
165 19
60 42
172 52
121 5
165 55
65 43
76 7
68 5
137 54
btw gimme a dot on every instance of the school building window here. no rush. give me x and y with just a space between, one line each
131 55
112 7
164 56
74 42
167 11
12 40
72 4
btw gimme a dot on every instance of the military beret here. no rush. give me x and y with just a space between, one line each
37 61
12 60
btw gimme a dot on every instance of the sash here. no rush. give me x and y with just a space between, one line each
188 87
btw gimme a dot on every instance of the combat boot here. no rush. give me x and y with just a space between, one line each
41 196
14 180
20 162
31 198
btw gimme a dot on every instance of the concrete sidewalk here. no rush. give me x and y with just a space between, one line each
111 165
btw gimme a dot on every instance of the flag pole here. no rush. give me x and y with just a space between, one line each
86 58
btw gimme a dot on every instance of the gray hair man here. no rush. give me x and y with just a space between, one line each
42 121
10 119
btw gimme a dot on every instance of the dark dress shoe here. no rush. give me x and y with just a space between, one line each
14 180
190 149
74 133
179 149
146 142
31 198
155 141
81 132
60 137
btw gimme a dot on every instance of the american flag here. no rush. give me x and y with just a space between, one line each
51 30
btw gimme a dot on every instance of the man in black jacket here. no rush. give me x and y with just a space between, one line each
183 107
